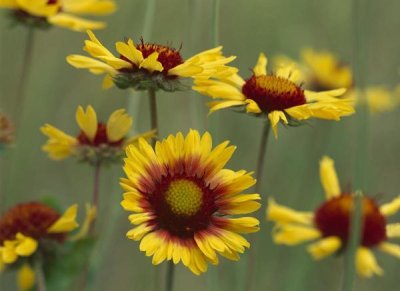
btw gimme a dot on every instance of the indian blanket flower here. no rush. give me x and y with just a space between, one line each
6 131
330 224
97 141
276 96
184 201
145 66
31 228
325 71
64 13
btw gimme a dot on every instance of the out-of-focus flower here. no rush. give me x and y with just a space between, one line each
6 131
29 228
148 66
184 199
44 13
378 99
274 95
324 71
97 141
330 224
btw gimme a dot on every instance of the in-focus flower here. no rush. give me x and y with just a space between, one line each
6 131
324 71
274 95
148 66
64 13
29 228
97 141
330 224
183 201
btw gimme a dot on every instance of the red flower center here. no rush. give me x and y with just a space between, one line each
273 93
182 205
100 138
334 216
31 219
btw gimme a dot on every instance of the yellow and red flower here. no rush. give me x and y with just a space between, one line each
148 66
183 200
43 13
274 95
96 141
330 224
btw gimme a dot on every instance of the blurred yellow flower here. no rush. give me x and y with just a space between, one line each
147 66
97 141
25 277
183 201
330 224
325 71
43 13
378 99
275 95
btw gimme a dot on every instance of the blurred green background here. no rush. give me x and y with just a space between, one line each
55 89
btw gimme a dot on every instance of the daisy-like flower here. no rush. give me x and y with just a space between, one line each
45 13
97 141
183 201
6 131
275 95
325 71
330 224
148 66
34 227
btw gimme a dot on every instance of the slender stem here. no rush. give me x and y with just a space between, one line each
259 175
353 243
153 112
40 278
169 280
23 78
96 192
215 22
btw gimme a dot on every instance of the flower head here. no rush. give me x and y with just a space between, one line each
96 141
44 13
183 200
6 131
330 224
276 95
325 71
147 65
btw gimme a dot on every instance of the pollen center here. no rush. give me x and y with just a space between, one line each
273 93
184 197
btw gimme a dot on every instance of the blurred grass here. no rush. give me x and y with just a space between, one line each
55 89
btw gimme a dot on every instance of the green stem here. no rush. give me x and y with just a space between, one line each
96 192
153 112
39 274
353 243
169 280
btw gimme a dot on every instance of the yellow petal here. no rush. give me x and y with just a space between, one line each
67 222
151 64
290 234
108 82
74 23
118 125
38 8
185 70
325 247
26 246
87 121
101 7
25 277
8 4
391 249
8 253
129 51
283 214
218 105
95 66
391 208
329 178
393 230
252 107
60 145
260 68
366 263
91 213
274 118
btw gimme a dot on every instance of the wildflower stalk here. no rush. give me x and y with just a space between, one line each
39 274
169 282
259 174
354 242
96 192
153 113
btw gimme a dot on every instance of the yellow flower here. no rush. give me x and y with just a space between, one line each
43 13
183 201
147 65
325 71
378 99
25 278
274 95
330 224
96 141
